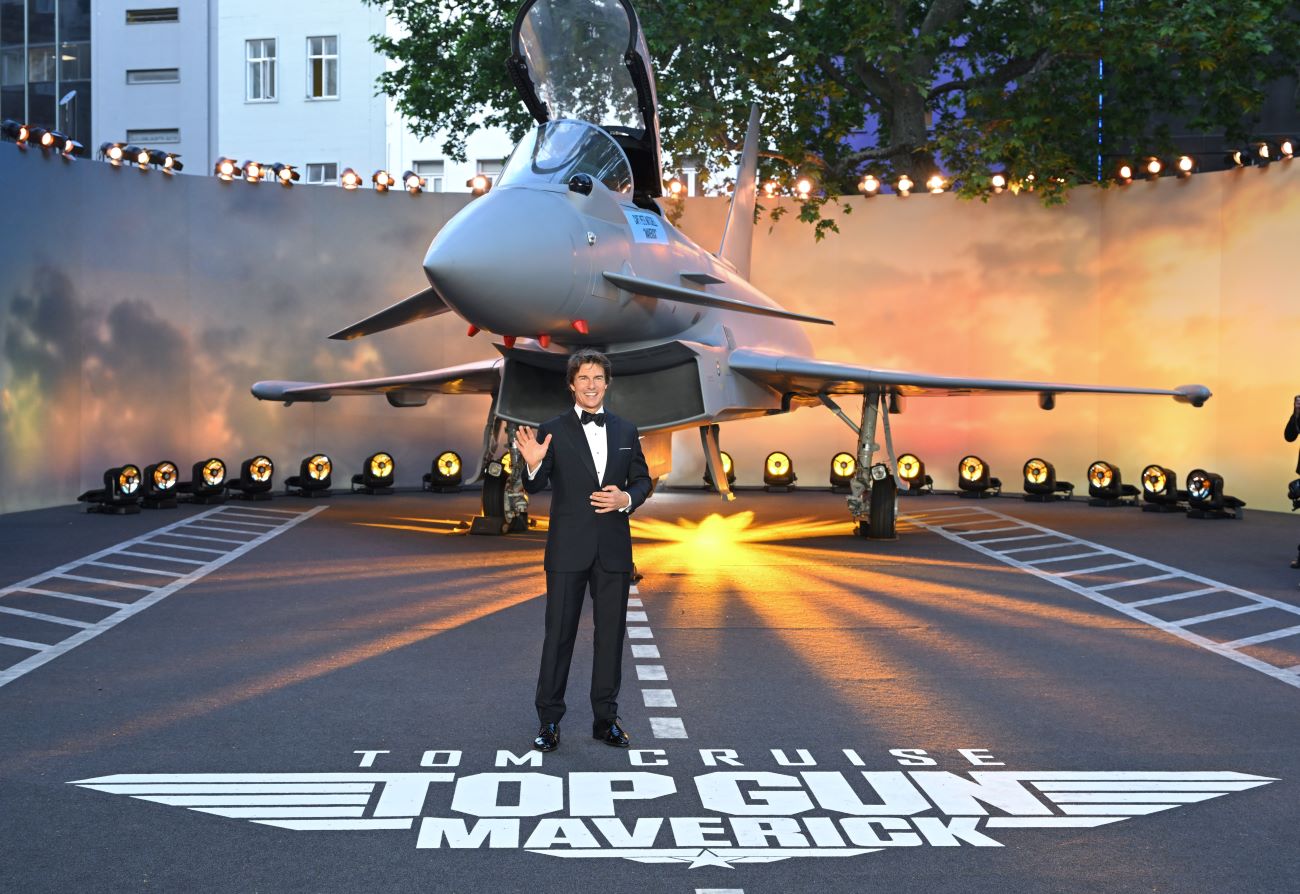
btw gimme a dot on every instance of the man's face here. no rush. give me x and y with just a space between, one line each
589 386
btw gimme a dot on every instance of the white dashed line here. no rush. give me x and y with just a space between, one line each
660 727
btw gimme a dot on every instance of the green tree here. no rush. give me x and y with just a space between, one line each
961 87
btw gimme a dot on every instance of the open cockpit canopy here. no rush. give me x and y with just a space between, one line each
557 150
587 60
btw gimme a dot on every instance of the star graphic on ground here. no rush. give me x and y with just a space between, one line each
707 857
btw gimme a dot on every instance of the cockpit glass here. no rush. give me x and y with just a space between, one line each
557 150
575 53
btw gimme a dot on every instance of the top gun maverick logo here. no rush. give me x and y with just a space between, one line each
790 807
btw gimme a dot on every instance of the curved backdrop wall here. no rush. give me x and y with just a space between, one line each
136 309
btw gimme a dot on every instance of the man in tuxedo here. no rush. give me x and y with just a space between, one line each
1291 431
598 475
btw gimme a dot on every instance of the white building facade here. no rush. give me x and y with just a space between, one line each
153 77
292 82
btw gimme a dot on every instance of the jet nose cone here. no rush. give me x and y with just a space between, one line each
510 262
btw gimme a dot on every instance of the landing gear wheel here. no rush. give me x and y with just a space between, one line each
493 520
883 510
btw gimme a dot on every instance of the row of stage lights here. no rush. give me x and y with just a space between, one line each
1151 167
382 181
126 488
1202 498
29 135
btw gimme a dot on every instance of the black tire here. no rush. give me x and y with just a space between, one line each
494 496
883 512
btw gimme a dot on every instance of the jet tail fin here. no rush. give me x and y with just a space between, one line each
738 237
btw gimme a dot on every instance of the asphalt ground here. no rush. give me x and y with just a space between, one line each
379 626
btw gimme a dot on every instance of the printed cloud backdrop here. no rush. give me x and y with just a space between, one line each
133 320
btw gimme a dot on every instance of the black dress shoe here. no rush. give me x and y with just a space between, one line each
609 732
548 737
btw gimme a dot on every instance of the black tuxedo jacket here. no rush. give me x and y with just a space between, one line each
1292 429
578 535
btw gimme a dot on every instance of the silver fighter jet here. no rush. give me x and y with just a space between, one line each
569 249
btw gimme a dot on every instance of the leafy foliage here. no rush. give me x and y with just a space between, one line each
889 86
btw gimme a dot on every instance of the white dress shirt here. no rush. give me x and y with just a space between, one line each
598 443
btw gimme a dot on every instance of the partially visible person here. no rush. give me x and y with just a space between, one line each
1291 431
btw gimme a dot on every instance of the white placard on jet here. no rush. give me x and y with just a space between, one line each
646 227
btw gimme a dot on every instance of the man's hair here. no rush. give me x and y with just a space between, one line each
587 355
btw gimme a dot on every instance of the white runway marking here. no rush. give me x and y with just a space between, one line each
47 584
660 727
944 521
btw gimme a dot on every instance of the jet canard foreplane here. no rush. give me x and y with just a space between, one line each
693 343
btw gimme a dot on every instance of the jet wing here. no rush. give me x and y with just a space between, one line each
807 377
418 306
412 390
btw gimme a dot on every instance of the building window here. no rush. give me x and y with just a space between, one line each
322 68
432 172
154 137
323 172
13 72
153 15
153 76
491 168
40 64
260 81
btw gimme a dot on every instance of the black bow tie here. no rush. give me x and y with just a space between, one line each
598 418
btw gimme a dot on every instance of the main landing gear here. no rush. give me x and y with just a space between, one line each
505 503
873 492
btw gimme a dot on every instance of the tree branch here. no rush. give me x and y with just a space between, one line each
940 14
1024 70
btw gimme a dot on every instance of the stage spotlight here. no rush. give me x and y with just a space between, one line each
998 182
1286 149
803 187
160 486
1205 497
350 179
1106 486
313 478
1124 173
935 184
52 139
253 171
869 186
903 186
383 181
675 188
1041 484
911 471
376 476
479 184
71 149
974 480
1152 167
1238 158
770 188
843 466
12 130
413 182
1263 152
778 472
1185 166
728 469
120 494
112 152
1160 490
446 475
207 484
165 160
255 479
226 169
